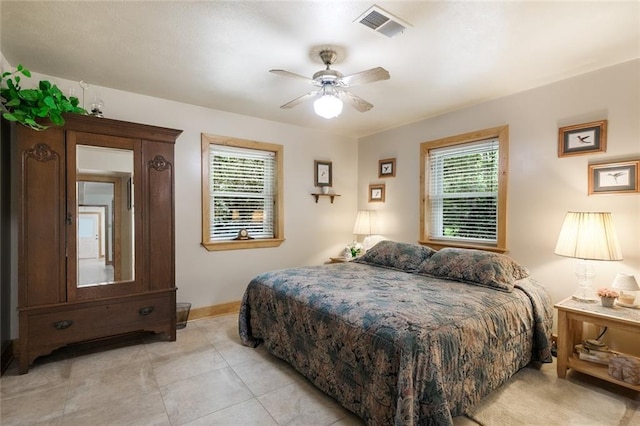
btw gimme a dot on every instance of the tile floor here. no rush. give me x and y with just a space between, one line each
206 377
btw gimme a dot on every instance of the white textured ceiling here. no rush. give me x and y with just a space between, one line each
217 54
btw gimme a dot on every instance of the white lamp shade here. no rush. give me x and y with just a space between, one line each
588 235
365 223
328 106
625 282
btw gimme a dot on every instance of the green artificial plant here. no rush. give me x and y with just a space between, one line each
26 106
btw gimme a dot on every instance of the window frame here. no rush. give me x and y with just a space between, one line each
502 134
278 226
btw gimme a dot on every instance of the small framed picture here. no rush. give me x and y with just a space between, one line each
376 193
322 173
581 139
387 168
614 178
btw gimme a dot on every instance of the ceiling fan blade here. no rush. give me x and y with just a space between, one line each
355 101
368 76
292 74
300 99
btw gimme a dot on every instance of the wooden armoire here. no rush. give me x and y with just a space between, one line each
94 204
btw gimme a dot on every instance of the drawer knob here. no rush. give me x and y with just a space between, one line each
145 311
61 325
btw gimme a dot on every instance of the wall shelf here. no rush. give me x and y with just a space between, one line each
332 196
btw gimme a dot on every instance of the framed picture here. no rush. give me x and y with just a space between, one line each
376 193
581 139
387 168
614 178
322 173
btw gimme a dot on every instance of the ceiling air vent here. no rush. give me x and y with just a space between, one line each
381 21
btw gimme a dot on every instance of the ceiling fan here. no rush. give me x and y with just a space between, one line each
331 87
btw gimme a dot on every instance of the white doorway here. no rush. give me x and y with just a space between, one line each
94 265
89 234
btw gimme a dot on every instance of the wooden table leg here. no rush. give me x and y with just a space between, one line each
564 344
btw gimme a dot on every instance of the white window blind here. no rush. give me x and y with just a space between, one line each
463 192
242 191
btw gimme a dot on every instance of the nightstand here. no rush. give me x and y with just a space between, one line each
340 260
571 316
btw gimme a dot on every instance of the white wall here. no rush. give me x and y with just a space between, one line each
542 187
313 232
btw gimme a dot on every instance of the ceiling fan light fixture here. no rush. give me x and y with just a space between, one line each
332 86
328 106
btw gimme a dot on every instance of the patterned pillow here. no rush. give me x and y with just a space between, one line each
476 267
395 255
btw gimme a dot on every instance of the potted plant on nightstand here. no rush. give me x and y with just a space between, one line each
607 297
30 107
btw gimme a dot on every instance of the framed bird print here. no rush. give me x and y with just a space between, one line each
322 173
387 168
614 178
582 139
376 193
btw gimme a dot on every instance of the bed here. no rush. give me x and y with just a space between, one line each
403 335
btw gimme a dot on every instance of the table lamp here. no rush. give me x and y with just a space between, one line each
588 236
628 286
366 224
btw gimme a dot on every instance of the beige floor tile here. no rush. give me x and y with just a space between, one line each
191 398
45 406
216 329
187 340
302 404
520 400
249 412
86 364
169 368
137 410
236 353
105 386
41 376
266 375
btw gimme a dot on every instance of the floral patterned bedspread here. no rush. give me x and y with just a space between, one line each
396 347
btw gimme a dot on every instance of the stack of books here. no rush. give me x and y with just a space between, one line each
595 351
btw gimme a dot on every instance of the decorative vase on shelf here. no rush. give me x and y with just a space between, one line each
607 302
324 189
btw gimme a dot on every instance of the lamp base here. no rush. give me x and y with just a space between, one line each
585 275
371 240
585 293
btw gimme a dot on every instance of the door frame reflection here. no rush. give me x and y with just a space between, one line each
113 233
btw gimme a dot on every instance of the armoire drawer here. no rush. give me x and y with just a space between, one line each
100 320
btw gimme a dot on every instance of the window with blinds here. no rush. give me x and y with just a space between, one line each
242 184
463 192
465 189
242 189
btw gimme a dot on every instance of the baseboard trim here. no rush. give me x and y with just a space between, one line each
215 310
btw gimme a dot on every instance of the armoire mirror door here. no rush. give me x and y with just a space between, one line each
101 217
